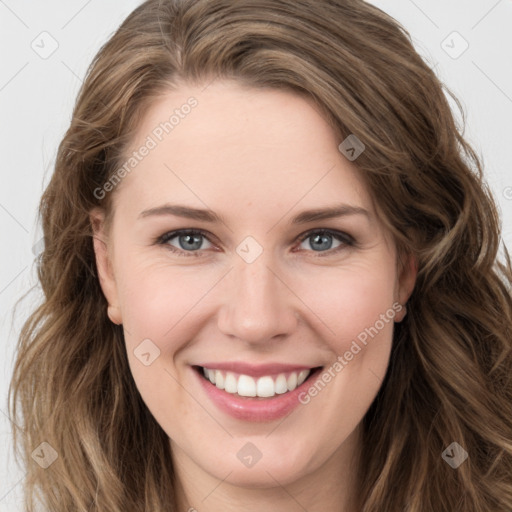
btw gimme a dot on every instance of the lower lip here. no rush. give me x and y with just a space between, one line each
255 408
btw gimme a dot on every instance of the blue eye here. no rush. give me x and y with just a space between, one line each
188 242
321 240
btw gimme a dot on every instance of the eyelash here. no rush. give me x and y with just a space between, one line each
346 239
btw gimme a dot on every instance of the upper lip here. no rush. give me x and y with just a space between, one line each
256 370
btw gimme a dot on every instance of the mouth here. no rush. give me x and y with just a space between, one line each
241 385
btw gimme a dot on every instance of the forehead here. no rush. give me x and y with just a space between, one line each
236 145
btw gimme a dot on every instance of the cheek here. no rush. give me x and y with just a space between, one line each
157 305
351 299
358 308
156 296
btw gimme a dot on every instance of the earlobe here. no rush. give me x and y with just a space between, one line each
114 314
104 266
406 282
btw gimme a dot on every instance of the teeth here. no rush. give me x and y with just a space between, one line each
291 383
246 386
281 386
219 379
302 377
265 387
230 384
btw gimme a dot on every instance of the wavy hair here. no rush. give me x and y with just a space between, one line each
450 374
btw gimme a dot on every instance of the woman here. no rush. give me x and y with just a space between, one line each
271 276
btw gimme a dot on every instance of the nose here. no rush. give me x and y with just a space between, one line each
258 306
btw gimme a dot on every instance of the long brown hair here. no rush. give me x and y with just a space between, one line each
450 374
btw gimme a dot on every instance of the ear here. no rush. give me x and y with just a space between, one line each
408 271
104 264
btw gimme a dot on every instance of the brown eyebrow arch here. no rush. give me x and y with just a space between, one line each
210 216
329 213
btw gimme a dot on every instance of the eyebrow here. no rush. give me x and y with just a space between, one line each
304 217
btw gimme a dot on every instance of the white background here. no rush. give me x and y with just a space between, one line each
37 95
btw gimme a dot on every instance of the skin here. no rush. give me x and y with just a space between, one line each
258 157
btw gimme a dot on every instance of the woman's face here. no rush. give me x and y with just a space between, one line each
267 290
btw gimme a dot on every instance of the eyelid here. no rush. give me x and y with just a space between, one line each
169 235
343 237
340 235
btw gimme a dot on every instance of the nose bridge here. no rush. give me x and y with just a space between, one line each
257 306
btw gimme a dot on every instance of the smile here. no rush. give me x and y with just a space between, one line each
254 393
264 387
